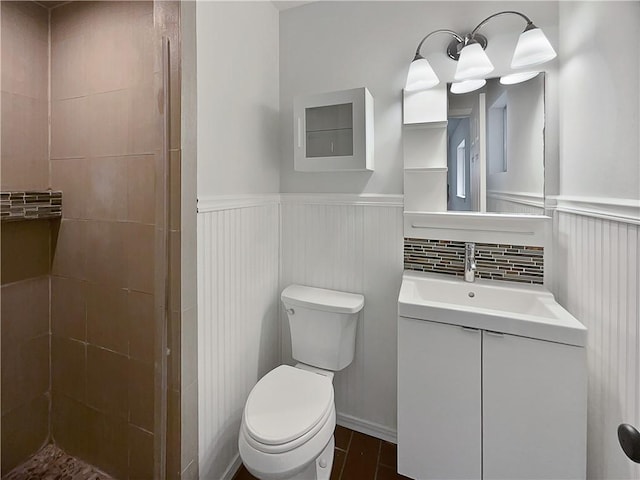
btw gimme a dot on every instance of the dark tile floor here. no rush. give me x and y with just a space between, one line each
357 457
51 463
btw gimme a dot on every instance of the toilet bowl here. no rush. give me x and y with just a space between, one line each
287 426
289 417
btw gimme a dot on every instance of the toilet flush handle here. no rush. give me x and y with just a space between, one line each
290 311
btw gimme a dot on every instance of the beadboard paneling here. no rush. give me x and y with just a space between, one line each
353 248
238 329
597 278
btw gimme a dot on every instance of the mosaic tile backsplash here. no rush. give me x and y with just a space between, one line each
30 205
514 263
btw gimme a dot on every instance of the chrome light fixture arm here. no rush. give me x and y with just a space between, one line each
529 26
457 37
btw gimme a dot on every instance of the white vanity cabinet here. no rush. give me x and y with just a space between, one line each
333 131
477 404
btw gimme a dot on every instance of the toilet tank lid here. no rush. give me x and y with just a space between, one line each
322 299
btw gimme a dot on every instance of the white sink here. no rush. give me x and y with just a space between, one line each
524 310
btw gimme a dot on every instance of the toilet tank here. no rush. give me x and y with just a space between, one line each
323 325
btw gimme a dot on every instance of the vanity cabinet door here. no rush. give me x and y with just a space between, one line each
534 409
439 392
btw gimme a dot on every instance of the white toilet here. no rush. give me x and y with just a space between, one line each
289 418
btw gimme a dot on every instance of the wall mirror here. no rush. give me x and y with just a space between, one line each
495 148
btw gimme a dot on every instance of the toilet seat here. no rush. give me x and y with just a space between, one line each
286 408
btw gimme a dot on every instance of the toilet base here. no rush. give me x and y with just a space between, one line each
321 468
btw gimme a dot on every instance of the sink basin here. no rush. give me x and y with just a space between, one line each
524 310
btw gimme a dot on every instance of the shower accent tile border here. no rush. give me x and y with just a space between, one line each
30 205
514 263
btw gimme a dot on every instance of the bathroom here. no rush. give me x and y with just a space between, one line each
245 224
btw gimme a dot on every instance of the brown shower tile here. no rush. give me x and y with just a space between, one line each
175 272
24 41
69 367
111 454
121 56
70 20
140 248
107 322
24 431
175 189
106 381
71 424
68 307
105 247
24 310
175 346
362 458
141 189
174 445
110 123
70 176
141 394
69 58
25 250
140 454
141 326
106 194
25 372
107 443
70 131
25 162
144 136
69 257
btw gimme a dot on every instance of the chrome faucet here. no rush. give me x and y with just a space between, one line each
469 262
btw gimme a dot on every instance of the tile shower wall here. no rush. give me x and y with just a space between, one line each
515 263
104 139
238 330
25 244
353 246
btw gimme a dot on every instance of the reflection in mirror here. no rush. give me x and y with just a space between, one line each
495 150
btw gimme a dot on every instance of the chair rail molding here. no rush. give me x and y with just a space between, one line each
608 208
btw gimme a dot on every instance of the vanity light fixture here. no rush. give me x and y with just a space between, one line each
533 48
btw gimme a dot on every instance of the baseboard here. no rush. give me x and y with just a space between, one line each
368 428
233 468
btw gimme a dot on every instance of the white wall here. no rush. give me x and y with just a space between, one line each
238 332
327 46
597 264
238 143
353 245
599 105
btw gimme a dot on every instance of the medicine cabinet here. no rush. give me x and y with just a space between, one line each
334 131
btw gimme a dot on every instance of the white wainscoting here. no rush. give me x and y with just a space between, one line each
597 278
238 328
354 244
